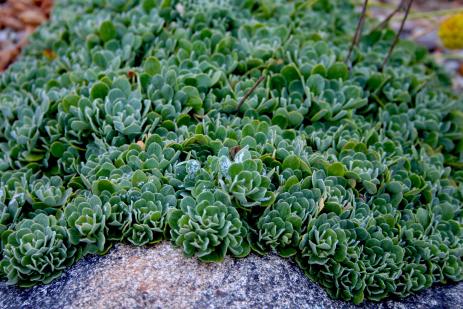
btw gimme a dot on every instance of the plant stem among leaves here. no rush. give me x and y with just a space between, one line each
397 37
250 91
358 31
390 16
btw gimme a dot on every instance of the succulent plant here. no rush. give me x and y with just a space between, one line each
36 251
213 125
9 213
120 218
336 194
414 277
345 280
187 173
364 168
15 186
330 254
153 155
384 262
247 182
149 213
324 240
208 227
86 218
281 225
48 192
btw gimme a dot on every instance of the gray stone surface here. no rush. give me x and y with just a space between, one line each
160 276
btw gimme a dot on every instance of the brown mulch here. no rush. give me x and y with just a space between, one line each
19 18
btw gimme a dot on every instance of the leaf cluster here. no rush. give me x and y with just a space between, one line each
142 127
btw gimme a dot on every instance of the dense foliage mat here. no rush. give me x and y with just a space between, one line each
134 121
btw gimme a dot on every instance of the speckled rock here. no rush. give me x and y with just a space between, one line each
160 276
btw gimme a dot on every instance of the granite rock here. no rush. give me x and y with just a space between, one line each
161 277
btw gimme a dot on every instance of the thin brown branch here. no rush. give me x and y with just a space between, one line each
359 34
390 16
250 91
397 37
358 31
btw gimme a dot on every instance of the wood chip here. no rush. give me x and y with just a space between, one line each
11 22
6 56
18 19
32 17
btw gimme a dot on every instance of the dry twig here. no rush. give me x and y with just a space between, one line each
390 16
250 91
397 37
358 31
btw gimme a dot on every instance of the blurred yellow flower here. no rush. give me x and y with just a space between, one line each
451 31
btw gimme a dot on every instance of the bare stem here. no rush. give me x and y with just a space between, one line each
396 39
250 91
359 34
390 16
358 31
